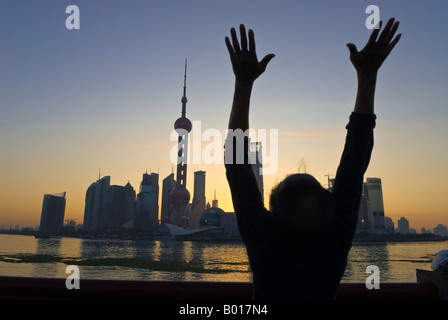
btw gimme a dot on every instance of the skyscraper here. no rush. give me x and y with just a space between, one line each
365 219
198 205
168 185
108 207
147 207
403 225
215 202
255 153
390 226
440 230
371 216
120 206
374 192
53 210
95 205
88 208
180 196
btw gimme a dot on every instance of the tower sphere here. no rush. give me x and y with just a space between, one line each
180 196
183 123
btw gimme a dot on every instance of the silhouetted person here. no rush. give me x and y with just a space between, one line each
298 249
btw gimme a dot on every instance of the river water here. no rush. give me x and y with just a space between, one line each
26 256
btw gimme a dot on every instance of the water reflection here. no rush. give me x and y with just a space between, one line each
155 251
185 260
44 247
212 261
407 257
363 255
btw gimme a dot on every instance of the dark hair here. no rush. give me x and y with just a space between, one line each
301 204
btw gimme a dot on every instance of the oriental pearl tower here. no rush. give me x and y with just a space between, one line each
180 196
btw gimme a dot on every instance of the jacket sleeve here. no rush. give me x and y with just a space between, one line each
348 183
252 217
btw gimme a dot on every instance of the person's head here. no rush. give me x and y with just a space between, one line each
301 204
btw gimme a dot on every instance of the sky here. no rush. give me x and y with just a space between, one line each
102 99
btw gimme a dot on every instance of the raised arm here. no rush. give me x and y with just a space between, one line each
347 188
246 68
368 61
251 215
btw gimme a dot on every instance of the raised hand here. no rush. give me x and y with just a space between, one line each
245 64
371 57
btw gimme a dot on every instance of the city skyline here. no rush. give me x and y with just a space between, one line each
106 96
199 190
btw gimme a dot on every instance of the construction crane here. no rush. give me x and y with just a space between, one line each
330 182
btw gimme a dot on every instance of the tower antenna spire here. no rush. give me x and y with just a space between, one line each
184 97
180 196
185 75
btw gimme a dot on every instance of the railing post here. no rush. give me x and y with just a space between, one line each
438 278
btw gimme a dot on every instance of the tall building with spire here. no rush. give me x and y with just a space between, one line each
95 206
180 196
108 206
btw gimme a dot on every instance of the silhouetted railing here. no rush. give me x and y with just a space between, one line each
55 289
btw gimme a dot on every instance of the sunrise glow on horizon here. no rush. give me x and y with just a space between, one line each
105 97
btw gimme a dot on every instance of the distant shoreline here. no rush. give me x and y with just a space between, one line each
359 237
397 237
